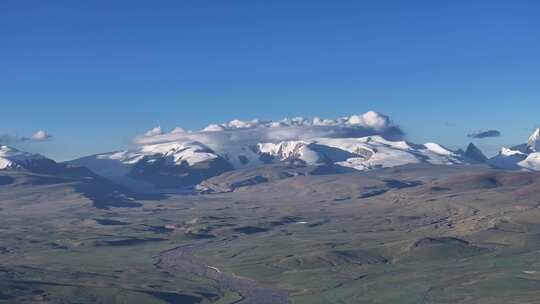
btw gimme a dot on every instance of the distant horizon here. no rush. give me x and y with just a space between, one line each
92 76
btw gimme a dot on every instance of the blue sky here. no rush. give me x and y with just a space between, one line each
97 73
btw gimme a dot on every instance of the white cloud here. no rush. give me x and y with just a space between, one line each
256 131
41 136
370 119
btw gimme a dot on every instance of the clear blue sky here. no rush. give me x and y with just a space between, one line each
96 73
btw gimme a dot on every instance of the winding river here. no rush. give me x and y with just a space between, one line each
181 259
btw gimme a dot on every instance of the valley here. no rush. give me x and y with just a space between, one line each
408 234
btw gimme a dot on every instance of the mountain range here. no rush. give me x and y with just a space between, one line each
182 165
186 164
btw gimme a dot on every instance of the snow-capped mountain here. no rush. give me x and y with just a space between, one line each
11 158
168 165
177 164
363 153
521 157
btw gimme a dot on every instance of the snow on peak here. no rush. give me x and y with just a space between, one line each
438 149
361 153
5 150
13 158
12 153
179 152
189 152
290 150
534 141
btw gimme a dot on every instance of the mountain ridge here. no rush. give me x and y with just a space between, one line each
182 165
186 164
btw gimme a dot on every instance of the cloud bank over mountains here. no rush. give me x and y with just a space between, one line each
299 128
39 136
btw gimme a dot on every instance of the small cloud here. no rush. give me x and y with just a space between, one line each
154 132
41 136
484 134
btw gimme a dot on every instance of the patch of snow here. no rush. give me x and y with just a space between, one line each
438 149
